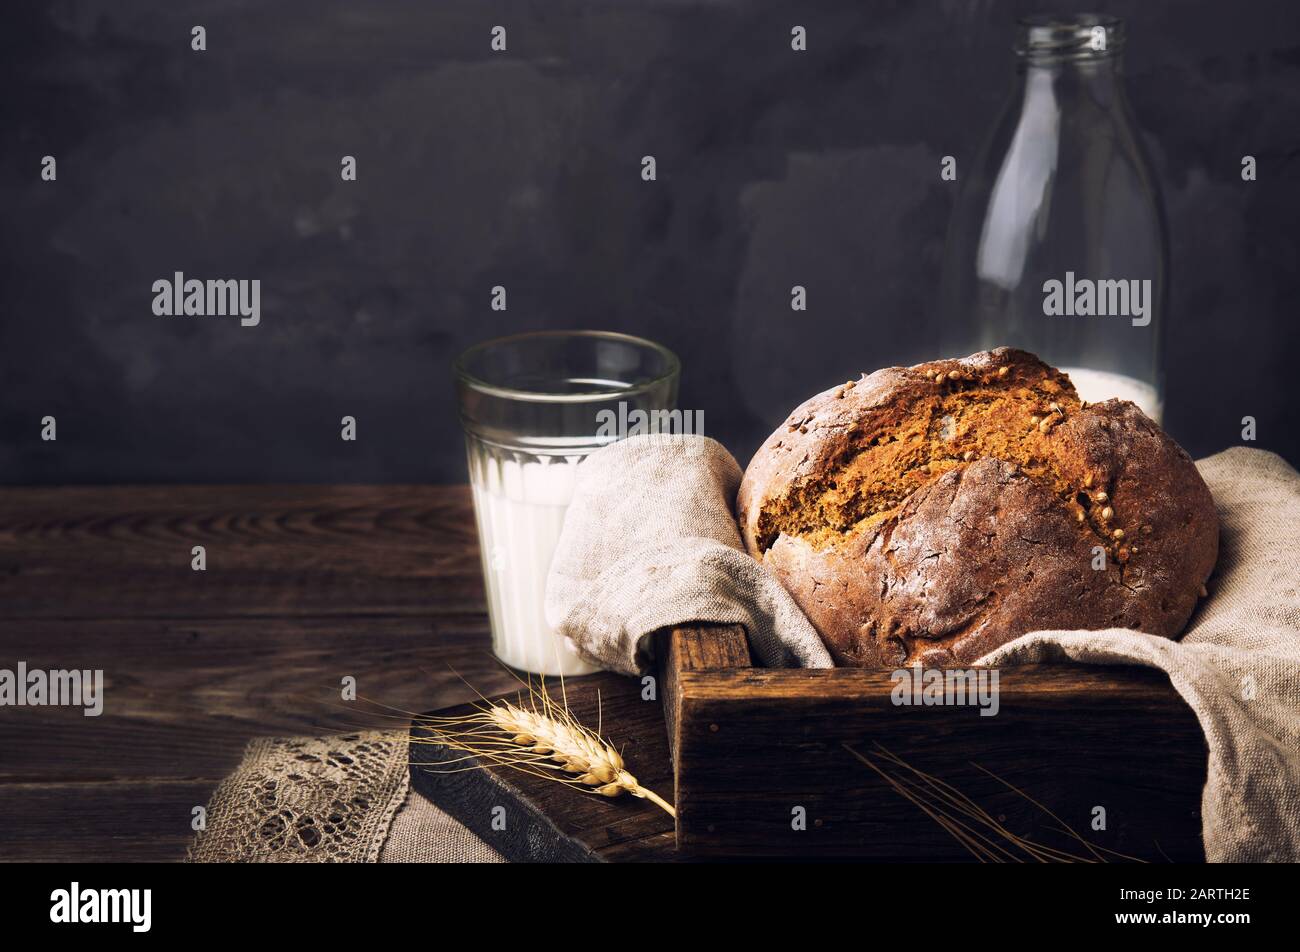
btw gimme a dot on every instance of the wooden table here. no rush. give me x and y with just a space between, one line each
303 586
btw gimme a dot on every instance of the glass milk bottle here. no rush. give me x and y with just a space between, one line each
531 406
1058 242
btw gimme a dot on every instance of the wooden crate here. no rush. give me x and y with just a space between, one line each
750 746
745 746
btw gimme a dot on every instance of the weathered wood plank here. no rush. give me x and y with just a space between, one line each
279 551
184 697
125 821
304 585
755 744
706 648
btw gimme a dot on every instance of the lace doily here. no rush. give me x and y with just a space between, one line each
307 800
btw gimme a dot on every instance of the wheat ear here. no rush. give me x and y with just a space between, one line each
542 738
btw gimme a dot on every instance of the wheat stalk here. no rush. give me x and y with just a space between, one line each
972 825
540 737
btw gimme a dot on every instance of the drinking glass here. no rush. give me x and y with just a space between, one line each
532 406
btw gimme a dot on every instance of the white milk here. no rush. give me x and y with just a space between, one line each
1097 385
520 509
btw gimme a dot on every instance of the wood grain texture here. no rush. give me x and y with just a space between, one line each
145 821
305 584
278 551
706 648
753 745
193 692
540 820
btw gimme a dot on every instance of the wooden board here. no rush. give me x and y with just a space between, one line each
752 747
279 551
545 821
304 585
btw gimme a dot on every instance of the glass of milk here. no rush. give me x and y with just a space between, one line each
531 408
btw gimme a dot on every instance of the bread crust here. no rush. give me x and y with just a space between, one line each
933 513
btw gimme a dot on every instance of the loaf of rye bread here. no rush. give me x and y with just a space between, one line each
932 513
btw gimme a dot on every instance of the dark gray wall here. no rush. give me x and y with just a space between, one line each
522 169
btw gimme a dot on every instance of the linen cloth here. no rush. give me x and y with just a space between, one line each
650 540
423 833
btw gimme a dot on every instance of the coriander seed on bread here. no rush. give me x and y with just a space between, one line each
933 513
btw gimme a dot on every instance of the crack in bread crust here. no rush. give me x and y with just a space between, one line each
899 453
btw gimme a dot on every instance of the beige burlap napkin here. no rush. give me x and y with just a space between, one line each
650 540
423 833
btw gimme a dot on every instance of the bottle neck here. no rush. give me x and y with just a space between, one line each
1088 43
1071 57
1097 80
